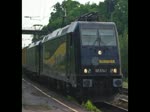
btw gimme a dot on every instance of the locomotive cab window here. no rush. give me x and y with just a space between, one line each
88 36
107 37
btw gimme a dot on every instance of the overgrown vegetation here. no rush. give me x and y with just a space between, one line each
89 106
109 10
125 84
125 79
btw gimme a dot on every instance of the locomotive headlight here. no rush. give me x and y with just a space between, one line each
85 70
115 70
99 52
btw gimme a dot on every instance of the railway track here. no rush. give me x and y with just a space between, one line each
123 100
107 107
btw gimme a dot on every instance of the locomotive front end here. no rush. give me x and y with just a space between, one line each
100 73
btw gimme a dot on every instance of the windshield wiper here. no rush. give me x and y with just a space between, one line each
97 39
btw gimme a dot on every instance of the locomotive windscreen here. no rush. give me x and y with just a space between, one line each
98 37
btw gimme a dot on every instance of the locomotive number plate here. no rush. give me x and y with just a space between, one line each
106 61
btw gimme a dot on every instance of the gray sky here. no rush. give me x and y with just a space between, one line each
39 12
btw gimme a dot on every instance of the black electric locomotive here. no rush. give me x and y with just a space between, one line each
82 58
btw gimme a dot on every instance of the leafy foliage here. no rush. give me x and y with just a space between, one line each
124 53
89 106
120 15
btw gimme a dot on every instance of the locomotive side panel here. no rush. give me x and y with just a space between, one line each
24 50
33 59
54 58
70 56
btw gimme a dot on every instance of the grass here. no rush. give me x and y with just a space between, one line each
125 84
89 106
125 79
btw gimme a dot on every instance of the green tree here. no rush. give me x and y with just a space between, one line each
120 15
123 40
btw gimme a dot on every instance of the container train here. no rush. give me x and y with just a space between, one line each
82 58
